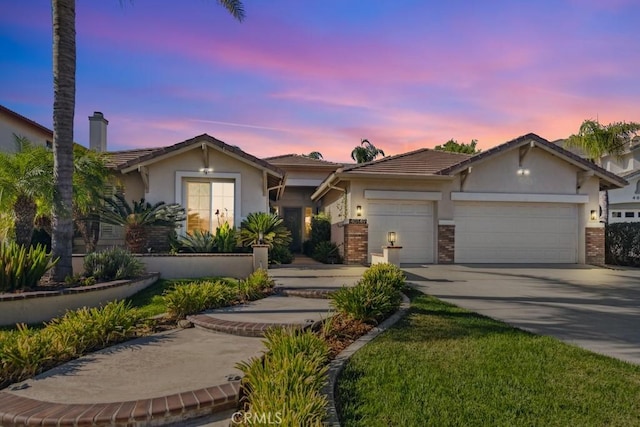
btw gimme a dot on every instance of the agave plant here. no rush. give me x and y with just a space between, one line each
137 219
200 241
262 227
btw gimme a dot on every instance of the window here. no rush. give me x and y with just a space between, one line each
629 214
209 204
307 222
638 187
616 214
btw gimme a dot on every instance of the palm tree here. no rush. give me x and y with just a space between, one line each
597 141
366 152
64 97
25 180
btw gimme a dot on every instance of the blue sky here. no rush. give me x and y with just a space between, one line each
301 76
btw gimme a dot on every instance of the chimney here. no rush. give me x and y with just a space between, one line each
98 132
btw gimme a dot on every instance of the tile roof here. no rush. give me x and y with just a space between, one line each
130 158
299 160
425 161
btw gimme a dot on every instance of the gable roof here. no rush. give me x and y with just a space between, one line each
608 179
25 120
424 161
128 160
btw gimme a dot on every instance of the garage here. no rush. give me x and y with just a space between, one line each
502 232
411 220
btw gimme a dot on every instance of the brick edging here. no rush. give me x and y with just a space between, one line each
22 411
243 329
337 364
304 293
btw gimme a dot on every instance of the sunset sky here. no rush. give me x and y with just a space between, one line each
301 75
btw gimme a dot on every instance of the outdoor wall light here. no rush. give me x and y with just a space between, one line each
358 210
523 172
205 170
391 237
593 215
260 238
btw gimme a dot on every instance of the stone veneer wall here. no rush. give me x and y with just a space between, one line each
594 242
356 242
446 244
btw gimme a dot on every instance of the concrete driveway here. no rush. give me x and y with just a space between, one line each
595 308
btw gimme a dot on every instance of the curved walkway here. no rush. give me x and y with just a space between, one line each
170 377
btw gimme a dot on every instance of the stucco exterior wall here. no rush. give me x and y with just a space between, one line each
10 125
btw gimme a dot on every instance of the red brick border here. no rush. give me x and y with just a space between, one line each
594 245
22 411
244 329
446 244
356 243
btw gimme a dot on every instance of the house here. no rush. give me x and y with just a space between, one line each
525 201
624 203
13 124
294 204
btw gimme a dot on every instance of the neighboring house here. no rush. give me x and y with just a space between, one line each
525 201
294 204
13 124
624 203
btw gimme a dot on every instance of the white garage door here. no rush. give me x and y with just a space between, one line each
516 232
411 220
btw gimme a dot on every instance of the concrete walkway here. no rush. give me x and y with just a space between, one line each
170 376
595 308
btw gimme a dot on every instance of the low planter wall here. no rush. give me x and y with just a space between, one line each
185 266
41 306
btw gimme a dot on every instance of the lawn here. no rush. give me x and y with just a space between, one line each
149 300
445 366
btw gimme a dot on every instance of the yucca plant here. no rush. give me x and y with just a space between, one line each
200 241
269 226
22 268
137 218
385 273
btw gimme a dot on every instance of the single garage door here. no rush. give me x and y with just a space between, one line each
516 232
411 220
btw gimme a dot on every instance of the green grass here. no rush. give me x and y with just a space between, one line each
445 366
149 301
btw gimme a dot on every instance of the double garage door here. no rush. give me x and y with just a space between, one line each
516 232
487 232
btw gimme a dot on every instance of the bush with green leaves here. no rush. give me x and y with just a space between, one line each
226 238
112 264
21 267
327 253
288 379
320 228
200 241
256 286
385 273
26 351
195 297
368 301
280 254
622 243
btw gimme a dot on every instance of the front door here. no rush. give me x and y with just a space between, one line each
293 221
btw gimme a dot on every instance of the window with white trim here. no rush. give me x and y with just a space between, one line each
209 204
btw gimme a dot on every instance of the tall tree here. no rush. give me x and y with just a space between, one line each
366 152
63 14
454 146
597 140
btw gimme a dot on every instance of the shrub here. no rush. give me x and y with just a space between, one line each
22 268
112 264
622 241
280 254
269 225
320 229
366 301
257 285
327 253
226 238
200 241
385 273
288 380
195 297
